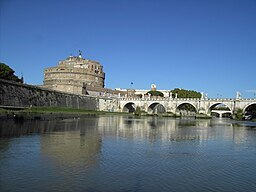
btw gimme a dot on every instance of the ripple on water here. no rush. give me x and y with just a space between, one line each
145 154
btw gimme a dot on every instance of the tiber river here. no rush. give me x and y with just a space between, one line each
121 153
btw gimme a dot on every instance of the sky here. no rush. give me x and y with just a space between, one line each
203 45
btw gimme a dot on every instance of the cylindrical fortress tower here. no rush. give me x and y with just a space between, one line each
74 74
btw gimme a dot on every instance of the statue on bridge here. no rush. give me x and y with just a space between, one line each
202 95
238 95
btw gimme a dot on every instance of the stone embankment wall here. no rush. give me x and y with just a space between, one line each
20 95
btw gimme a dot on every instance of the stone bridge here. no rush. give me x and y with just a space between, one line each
174 105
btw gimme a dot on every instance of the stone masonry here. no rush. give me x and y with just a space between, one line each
74 74
21 95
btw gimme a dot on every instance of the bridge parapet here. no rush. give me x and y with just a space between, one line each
221 99
186 99
158 99
143 99
250 99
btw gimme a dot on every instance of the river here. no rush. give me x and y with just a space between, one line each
122 153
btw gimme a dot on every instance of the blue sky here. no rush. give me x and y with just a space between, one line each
203 45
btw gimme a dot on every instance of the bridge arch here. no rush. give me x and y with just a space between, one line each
220 114
186 106
155 108
129 107
250 109
213 106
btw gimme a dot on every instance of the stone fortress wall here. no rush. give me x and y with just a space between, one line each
21 95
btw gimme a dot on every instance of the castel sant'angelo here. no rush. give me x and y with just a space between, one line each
75 75
80 76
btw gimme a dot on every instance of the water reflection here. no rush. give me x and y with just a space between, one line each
122 153
76 145
165 129
151 128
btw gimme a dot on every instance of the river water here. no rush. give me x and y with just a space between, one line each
121 153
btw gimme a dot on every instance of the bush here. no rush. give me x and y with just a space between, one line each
138 110
155 93
182 93
239 114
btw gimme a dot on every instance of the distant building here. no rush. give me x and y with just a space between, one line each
75 75
141 93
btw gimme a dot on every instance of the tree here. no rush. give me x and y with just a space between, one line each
155 93
138 111
239 114
182 93
7 73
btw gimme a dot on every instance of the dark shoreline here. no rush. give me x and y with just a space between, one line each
40 116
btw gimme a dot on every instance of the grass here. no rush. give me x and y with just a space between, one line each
49 113
58 110
2 110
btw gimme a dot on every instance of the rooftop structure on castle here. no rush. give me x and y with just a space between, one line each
74 75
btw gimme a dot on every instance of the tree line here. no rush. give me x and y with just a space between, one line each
181 93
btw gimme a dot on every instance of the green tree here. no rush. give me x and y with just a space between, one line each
239 114
182 93
138 111
7 73
155 93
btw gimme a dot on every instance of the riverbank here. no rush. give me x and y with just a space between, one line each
53 113
48 113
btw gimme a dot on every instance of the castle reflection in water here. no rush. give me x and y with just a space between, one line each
79 141
130 127
80 152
